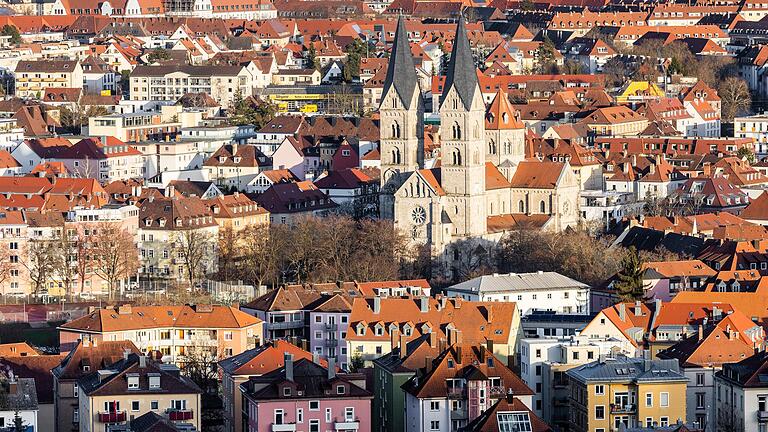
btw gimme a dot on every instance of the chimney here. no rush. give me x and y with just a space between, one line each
288 359
376 304
331 368
142 361
716 313
457 303
315 358
85 343
510 396
424 304
124 309
622 312
625 167
652 168
489 313
403 346
638 308
634 160
482 353
170 191
433 339
394 338
701 332
428 364
126 353
707 169
489 346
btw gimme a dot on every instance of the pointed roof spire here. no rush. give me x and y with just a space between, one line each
401 73
462 72
501 115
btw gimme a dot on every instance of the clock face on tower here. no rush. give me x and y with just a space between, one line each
419 215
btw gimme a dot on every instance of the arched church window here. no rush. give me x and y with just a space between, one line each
507 148
455 104
396 156
505 118
476 133
521 206
542 207
456 131
395 130
492 147
456 157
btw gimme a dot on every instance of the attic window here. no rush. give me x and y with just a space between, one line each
340 389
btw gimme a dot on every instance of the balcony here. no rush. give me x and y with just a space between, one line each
762 416
347 425
457 392
458 414
285 427
179 414
331 327
498 392
331 342
111 416
622 409
286 325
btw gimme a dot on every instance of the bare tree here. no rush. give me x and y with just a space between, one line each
114 255
194 248
65 266
40 263
259 254
229 251
735 97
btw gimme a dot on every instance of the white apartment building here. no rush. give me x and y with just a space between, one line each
170 83
755 127
543 363
530 291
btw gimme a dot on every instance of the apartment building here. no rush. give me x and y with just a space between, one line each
234 166
742 394
254 362
458 386
306 396
173 230
543 366
236 212
616 121
374 321
33 77
84 358
134 127
223 331
755 127
105 159
615 392
132 387
548 291
170 83
702 355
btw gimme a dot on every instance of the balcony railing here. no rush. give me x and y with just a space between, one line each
331 342
111 416
498 391
457 392
622 409
347 424
762 416
286 325
285 427
331 327
179 414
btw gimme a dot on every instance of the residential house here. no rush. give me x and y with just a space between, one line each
132 387
611 393
265 179
664 279
169 83
20 401
740 400
234 166
34 76
37 368
616 121
509 413
84 357
173 331
456 387
288 201
254 362
354 189
236 212
303 392
530 292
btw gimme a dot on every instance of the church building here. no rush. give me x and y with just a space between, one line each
483 185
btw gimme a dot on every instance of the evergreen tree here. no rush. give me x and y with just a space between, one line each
13 32
546 60
311 57
629 283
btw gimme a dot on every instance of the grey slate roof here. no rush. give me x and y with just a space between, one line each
628 369
401 73
462 72
517 282
25 397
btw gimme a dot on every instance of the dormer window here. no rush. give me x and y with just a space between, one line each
133 382
379 330
237 159
222 159
340 389
286 391
154 381
407 330
360 330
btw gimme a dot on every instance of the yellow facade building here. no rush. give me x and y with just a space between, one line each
612 393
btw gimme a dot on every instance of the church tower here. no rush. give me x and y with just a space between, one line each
505 135
462 137
401 126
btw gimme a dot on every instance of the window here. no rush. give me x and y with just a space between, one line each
649 399
75 390
599 412
286 391
133 381
434 425
699 379
700 400
154 381
154 405
648 422
664 399
314 405
434 405
299 415
314 426
279 416
514 422
135 405
75 416
349 414
340 389
664 421
599 389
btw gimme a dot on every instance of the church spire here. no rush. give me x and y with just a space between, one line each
462 73
401 73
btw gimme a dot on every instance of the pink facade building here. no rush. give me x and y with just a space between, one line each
304 396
